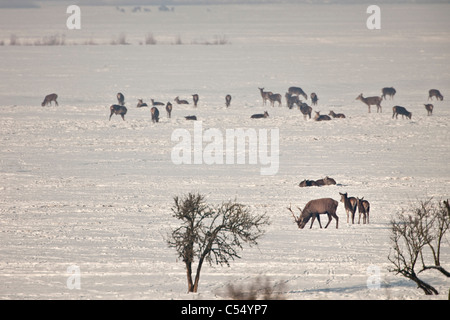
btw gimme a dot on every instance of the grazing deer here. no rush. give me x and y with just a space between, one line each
265 95
350 205
336 115
364 209
435 93
117 109
156 103
260 115
177 100
195 98
388 92
319 117
190 118
400 110
370 101
155 114
120 99
429 108
141 104
49 98
169 109
314 99
291 100
305 110
313 209
275 97
297 91
227 100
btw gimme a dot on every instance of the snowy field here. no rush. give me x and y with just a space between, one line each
79 190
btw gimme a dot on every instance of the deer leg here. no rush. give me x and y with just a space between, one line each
123 117
329 219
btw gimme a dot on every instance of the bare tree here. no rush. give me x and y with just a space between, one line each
212 233
412 234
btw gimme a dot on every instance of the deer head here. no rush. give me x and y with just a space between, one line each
299 220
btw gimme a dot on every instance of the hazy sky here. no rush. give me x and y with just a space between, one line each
36 3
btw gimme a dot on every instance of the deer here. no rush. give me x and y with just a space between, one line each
319 117
297 91
388 92
177 100
260 115
305 110
120 99
155 114
190 118
195 98
291 100
156 103
227 100
265 95
49 98
314 98
364 209
141 104
119 110
275 97
336 115
169 109
435 93
350 205
313 209
321 182
400 110
429 108
370 101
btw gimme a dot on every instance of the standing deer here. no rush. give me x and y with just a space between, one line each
313 209
370 101
155 114
364 209
195 98
400 110
119 110
227 100
336 115
319 117
260 115
141 104
177 100
291 100
297 91
169 109
388 92
350 205
435 93
275 97
314 99
120 99
429 108
49 98
265 95
305 110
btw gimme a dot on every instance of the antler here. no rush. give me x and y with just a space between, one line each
290 209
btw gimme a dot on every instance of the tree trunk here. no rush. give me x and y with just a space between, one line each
189 277
197 275
428 289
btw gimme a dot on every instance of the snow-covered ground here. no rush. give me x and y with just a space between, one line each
79 190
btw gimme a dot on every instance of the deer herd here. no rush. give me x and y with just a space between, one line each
314 208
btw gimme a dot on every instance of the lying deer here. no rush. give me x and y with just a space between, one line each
119 110
156 103
49 98
336 115
313 209
371 101
319 117
141 104
177 100
260 115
